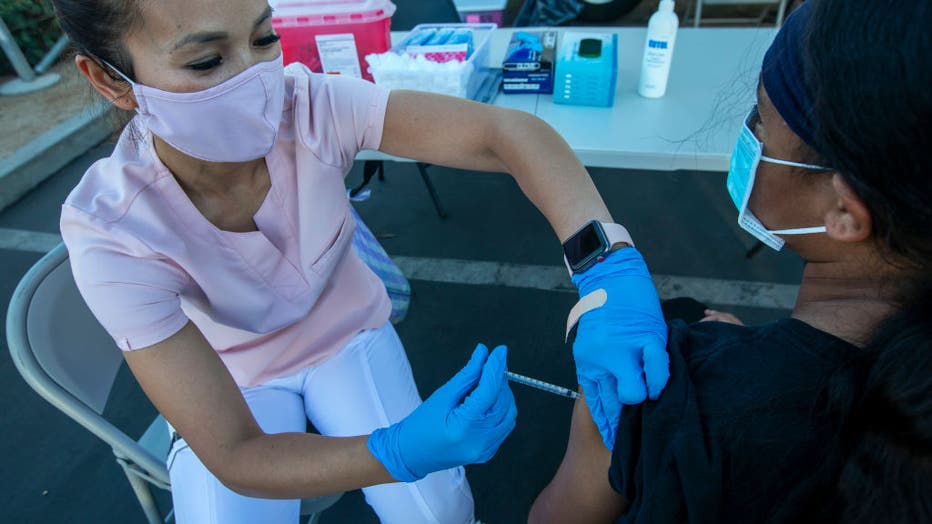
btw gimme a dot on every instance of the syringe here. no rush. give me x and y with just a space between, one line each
541 385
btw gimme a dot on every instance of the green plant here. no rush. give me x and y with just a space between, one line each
34 28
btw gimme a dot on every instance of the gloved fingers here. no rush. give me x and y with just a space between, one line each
498 414
611 406
603 406
496 434
491 382
500 432
498 408
656 366
493 416
590 389
609 432
609 399
592 396
629 375
510 420
455 389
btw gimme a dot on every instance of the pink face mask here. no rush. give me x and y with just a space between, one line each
234 121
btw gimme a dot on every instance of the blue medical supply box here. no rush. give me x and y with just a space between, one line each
587 69
528 63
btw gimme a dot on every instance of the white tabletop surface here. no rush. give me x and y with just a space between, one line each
694 126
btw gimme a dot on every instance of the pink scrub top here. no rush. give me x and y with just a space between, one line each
270 302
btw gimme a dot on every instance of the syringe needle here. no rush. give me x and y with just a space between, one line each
541 385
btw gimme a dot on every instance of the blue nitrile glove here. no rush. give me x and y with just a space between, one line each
621 347
463 422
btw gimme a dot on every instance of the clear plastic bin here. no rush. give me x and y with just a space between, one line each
333 36
462 79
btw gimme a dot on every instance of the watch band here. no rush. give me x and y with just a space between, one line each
616 234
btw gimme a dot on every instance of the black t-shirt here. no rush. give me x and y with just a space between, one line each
737 435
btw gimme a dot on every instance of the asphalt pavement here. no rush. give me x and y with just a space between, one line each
684 223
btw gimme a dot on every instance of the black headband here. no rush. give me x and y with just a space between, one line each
782 76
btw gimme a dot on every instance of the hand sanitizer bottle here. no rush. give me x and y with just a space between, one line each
658 51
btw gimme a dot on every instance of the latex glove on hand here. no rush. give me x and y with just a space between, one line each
621 347
463 422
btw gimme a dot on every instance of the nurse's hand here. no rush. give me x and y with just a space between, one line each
621 347
463 422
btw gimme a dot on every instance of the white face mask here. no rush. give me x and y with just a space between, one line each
747 155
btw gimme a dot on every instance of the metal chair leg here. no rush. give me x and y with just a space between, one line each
781 13
422 169
27 80
143 494
369 169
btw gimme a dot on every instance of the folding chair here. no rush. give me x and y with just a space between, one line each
67 357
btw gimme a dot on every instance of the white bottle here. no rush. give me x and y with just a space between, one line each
658 51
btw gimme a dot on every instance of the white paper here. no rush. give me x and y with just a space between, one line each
338 54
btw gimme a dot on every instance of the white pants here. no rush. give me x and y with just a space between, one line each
367 385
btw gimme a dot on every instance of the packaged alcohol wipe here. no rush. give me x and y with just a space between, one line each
418 37
440 36
442 45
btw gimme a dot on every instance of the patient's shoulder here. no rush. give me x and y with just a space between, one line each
736 426
705 345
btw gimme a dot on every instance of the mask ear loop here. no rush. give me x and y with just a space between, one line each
813 167
110 69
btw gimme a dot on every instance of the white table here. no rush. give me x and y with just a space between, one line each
693 127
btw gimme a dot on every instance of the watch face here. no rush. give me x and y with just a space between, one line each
585 246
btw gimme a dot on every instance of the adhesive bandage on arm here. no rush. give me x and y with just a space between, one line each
593 300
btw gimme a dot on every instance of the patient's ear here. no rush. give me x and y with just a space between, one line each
118 92
848 220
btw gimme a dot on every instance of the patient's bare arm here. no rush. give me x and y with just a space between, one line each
580 492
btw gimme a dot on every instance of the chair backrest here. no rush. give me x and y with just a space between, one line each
65 355
65 338
410 13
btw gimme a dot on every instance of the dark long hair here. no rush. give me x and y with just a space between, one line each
868 67
97 29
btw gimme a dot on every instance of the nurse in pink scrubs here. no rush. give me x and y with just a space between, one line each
214 245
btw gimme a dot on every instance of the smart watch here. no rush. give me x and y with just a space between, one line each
591 243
